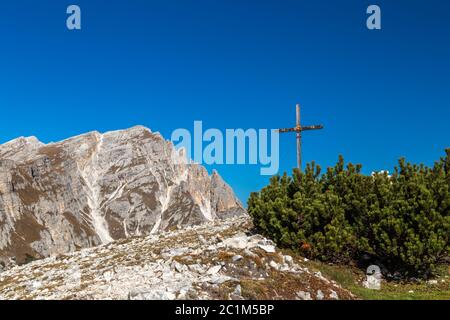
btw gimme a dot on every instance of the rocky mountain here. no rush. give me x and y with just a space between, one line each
94 188
221 259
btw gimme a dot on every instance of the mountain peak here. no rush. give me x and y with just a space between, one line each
22 140
19 148
99 187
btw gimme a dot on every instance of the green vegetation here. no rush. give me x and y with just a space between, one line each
351 279
400 222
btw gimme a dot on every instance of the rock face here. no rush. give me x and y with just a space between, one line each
95 188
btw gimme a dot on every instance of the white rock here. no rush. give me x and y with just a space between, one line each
304 295
196 252
263 241
274 265
372 282
236 258
158 294
214 270
170 296
250 254
288 259
267 248
36 285
182 294
178 266
334 295
320 276
219 279
236 242
320 295
202 239
284 267
108 275
237 291
178 251
197 268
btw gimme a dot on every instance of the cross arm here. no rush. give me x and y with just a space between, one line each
282 130
315 127
299 129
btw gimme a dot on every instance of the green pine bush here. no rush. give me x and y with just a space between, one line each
342 215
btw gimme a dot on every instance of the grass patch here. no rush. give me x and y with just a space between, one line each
351 279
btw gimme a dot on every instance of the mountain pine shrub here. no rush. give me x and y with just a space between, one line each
342 215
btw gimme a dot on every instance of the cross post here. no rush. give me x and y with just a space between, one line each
299 129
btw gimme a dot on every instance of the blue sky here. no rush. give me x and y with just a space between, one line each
234 64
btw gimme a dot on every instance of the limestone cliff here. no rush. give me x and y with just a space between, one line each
95 188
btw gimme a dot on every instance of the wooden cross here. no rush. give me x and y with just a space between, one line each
298 128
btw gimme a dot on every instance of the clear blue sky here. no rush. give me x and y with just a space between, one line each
234 64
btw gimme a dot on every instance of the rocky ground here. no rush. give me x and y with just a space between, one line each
217 260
